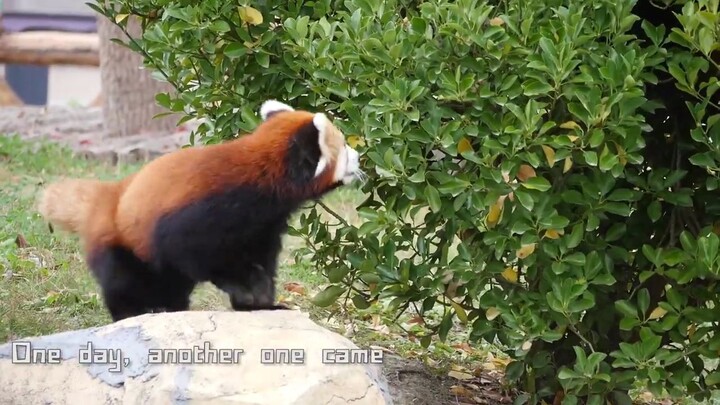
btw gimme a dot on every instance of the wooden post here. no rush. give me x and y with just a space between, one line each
50 48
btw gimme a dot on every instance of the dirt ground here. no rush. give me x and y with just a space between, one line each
413 383
410 381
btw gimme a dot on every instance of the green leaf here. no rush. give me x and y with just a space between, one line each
597 136
360 302
235 50
713 378
621 398
687 241
534 87
621 194
704 160
537 183
220 26
591 157
576 259
576 236
263 59
708 248
643 298
163 99
328 296
445 326
607 159
567 374
525 199
514 370
593 265
615 232
433 198
654 211
626 308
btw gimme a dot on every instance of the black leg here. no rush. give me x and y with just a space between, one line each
172 291
120 308
250 290
128 285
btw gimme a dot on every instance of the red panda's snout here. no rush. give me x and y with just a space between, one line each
348 168
336 152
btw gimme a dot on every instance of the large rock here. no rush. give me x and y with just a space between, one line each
237 374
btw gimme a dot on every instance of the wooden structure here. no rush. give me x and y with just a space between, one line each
46 48
45 33
49 48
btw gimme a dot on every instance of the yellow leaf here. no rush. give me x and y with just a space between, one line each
525 172
459 375
464 146
716 228
573 138
569 125
492 313
622 155
525 251
496 363
353 141
250 15
510 274
506 176
493 216
496 22
657 313
460 311
120 18
460 391
691 330
553 233
549 155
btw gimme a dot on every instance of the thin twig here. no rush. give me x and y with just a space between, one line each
333 213
578 334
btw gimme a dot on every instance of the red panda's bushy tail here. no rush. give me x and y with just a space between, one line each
67 204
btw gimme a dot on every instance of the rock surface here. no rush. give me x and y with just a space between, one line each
148 374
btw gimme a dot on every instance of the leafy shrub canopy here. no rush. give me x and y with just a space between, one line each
543 172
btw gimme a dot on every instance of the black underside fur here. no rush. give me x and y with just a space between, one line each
231 240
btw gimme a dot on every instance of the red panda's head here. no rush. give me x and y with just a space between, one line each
314 151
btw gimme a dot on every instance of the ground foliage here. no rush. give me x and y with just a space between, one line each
543 172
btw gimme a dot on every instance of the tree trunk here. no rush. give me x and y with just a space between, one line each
128 90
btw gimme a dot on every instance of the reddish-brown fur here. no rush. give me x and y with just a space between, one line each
212 214
126 214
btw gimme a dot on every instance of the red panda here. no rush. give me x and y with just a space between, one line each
210 214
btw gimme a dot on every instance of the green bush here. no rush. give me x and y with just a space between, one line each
543 172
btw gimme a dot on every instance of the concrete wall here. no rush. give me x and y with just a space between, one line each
58 7
70 85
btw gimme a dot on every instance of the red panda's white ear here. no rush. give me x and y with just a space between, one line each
271 107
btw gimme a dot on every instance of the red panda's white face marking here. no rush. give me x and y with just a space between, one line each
335 150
